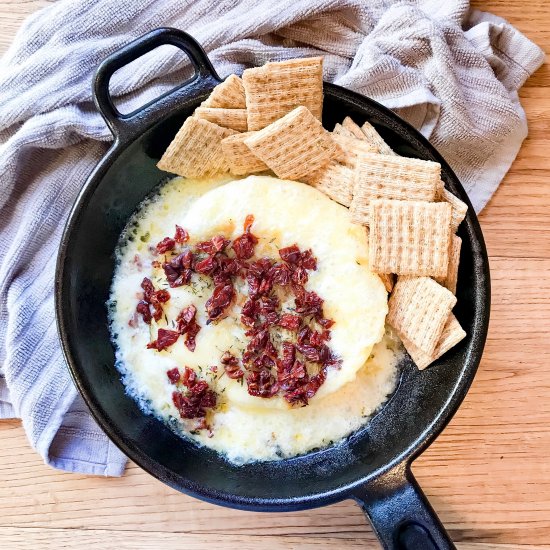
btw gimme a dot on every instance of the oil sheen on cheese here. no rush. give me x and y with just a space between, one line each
246 428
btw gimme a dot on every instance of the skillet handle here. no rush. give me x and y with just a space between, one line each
122 125
400 513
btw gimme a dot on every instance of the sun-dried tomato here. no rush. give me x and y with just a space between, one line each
308 303
325 323
262 384
181 236
214 245
166 245
299 276
310 352
148 288
308 260
290 322
281 274
243 246
315 382
143 309
303 335
189 377
206 266
291 254
165 339
199 397
188 326
178 270
258 341
221 298
151 298
162 296
194 405
319 338
173 375
231 365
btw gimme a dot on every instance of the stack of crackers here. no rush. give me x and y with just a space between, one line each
270 120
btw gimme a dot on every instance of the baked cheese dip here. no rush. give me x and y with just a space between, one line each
249 313
245 316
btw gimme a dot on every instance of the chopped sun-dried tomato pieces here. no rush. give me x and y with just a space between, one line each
181 236
188 326
173 375
231 366
151 300
165 339
296 370
198 397
166 245
290 322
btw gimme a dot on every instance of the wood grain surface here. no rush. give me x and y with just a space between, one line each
487 475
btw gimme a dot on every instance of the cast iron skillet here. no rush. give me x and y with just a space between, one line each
373 465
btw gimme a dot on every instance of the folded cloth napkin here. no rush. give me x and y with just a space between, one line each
451 72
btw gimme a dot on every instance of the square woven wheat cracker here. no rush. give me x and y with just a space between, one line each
277 88
196 151
375 139
240 158
391 177
409 237
227 118
295 146
418 310
352 148
452 334
452 270
354 129
227 95
459 208
334 180
339 130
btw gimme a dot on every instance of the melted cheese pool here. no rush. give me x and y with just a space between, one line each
246 428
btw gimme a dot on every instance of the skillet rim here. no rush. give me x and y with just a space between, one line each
430 432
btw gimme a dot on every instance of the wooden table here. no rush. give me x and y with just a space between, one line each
487 475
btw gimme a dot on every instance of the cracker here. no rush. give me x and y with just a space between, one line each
459 208
374 138
352 148
295 146
196 150
391 177
240 158
339 130
452 270
418 310
409 237
353 128
452 334
228 118
275 89
334 180
227 95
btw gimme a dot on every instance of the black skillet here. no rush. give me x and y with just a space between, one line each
373 465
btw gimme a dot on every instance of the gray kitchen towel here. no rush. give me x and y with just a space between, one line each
452 72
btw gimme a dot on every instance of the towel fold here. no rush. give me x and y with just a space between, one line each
451 72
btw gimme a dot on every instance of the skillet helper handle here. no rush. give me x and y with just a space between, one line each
400 513
122 125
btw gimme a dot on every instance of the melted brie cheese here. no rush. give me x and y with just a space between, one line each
245 427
